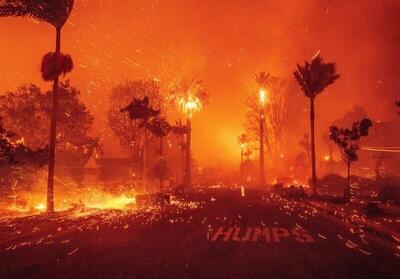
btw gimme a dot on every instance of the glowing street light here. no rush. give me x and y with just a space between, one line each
262 80
242 140
263 99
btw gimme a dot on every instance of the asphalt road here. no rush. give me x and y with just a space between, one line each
217 235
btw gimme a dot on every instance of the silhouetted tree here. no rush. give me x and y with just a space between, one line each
17 160
54 64
132 137
7 149
348 141
140 110
28 112
313 78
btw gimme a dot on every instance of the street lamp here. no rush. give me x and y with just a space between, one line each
242 141
263 99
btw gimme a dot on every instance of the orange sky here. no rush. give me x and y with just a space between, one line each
222 42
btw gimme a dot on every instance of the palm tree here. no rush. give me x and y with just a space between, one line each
55 13
159 127
181 130
190 96
313 79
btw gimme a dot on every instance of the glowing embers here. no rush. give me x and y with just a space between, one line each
107 201
266 234
31 203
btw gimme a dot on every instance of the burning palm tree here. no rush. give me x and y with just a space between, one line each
54 64
313 78
190 96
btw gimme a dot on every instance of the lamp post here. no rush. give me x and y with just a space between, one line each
241 160
262 101
242 141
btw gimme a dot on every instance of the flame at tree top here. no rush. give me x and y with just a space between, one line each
189 105
190 96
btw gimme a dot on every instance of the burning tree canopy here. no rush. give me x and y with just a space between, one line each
190 95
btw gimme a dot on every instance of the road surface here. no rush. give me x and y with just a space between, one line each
218 234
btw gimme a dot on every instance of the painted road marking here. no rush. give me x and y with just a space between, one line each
254 234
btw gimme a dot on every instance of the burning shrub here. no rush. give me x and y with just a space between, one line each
54 65
333 183
278 188
373 210
390 193
294 192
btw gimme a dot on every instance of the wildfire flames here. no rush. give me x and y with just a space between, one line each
31 203
190 105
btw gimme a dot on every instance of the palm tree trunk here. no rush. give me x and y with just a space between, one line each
53 133
262 162
188 179
313 167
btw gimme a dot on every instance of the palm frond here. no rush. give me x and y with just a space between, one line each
314 77
54 66
55 12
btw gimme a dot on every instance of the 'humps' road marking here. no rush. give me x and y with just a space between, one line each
253 234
